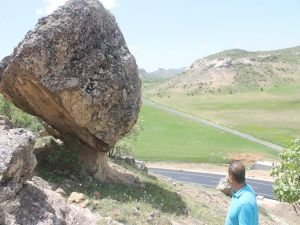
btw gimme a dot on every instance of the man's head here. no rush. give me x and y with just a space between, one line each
236 173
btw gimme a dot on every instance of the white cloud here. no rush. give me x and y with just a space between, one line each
51 5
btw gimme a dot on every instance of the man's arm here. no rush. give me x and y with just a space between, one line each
246 214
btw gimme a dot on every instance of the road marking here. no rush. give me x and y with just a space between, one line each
186 178
213 181
196 175
201 175
254 182
207 185
263 194
168 173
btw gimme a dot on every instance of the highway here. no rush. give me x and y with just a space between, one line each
263 188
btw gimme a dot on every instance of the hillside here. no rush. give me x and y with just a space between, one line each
236 71
159 75
161 201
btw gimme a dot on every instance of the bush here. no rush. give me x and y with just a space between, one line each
18 117
52 154
287 172
124 146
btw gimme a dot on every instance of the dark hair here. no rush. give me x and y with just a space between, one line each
237 170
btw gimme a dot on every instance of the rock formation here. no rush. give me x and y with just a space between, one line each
5 124
75 72
26 201
17 160
224 186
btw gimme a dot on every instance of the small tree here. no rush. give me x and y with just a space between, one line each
287 173
124 146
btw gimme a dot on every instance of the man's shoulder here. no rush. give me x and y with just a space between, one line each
248 196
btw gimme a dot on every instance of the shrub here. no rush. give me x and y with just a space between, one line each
18 117
287 172
51 153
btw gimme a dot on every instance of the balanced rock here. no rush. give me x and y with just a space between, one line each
75 72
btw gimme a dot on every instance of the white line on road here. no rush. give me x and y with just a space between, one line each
265 195
185 178
255 182
195 175
201 175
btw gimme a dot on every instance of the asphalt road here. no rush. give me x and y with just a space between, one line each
263 188
209 123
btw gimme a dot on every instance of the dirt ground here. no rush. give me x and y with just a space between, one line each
280 212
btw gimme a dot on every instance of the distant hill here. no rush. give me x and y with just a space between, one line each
159 75
236 70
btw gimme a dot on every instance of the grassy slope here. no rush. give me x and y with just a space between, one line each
154 201
167 137
272 115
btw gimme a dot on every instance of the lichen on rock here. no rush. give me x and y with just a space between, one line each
75 72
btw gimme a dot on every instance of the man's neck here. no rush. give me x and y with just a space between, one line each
239 186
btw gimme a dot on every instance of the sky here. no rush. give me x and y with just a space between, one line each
174 33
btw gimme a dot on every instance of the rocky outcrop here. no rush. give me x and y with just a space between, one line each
25 201
17 161
37 204
224 186
5 124
139 165
75 72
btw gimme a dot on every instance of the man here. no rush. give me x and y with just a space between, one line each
243 208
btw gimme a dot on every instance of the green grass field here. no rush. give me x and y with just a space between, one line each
168 137
272 115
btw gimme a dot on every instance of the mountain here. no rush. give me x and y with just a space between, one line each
159 75
236 70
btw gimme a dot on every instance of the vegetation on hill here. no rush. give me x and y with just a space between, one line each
169 137
234 71
271 115
253 92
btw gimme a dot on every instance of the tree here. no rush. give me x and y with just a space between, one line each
287 173
124 146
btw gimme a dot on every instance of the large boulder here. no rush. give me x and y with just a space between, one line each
75 72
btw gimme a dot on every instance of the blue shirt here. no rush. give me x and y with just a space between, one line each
243 208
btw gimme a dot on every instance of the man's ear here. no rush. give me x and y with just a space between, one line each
230 177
